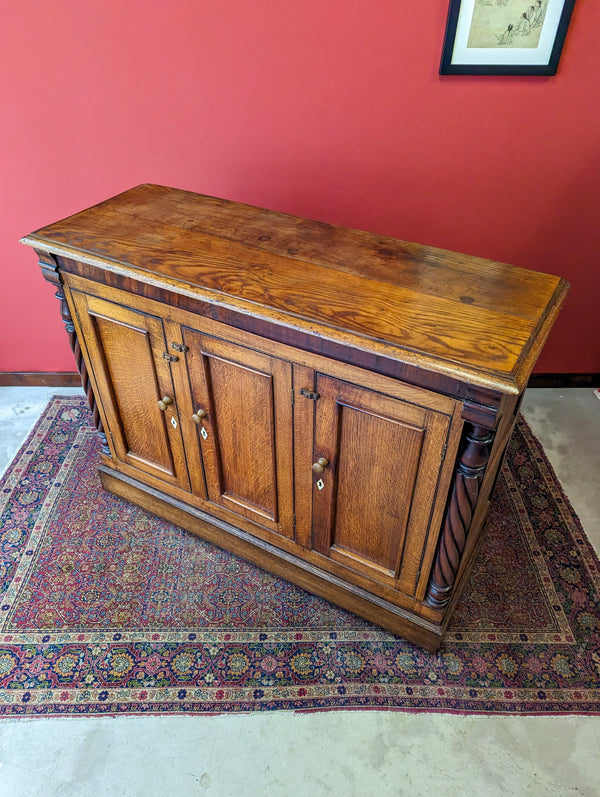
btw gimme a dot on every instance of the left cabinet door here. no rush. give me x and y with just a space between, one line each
125 349
243 410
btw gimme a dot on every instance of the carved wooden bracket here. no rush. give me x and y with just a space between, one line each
469 472
51 273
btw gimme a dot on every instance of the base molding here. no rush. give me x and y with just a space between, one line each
39 379
564 380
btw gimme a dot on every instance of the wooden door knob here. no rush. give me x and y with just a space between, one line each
320 465
164 403
198 415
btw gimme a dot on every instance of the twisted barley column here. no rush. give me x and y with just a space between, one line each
459 513
81 367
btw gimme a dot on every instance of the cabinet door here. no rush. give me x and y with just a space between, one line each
243 409
125 350
373 501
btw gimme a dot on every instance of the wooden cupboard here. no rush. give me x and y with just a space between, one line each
330 404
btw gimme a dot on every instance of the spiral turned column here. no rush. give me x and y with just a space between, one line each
50 271
459 513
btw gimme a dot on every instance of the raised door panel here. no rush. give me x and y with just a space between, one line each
125 350
373 501
242 401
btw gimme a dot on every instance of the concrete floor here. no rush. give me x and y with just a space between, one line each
338 753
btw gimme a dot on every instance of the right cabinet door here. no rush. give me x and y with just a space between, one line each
374 499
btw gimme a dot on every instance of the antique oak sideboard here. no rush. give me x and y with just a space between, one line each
330 404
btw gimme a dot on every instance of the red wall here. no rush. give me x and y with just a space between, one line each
325 108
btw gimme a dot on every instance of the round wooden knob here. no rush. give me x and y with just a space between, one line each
164 403
198 415
320 465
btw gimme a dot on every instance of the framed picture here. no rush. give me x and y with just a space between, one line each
505 37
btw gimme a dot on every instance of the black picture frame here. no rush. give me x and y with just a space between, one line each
549 67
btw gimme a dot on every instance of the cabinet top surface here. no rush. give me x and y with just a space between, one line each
461 315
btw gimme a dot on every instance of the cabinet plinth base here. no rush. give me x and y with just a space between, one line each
305 575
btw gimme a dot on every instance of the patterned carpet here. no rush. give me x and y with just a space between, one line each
106 609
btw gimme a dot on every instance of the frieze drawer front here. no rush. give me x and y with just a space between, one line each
330 404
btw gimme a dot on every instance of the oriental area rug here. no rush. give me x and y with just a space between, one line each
106 609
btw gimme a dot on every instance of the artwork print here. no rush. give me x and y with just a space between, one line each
505 37
507 23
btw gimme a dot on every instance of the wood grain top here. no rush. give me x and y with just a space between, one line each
456 314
